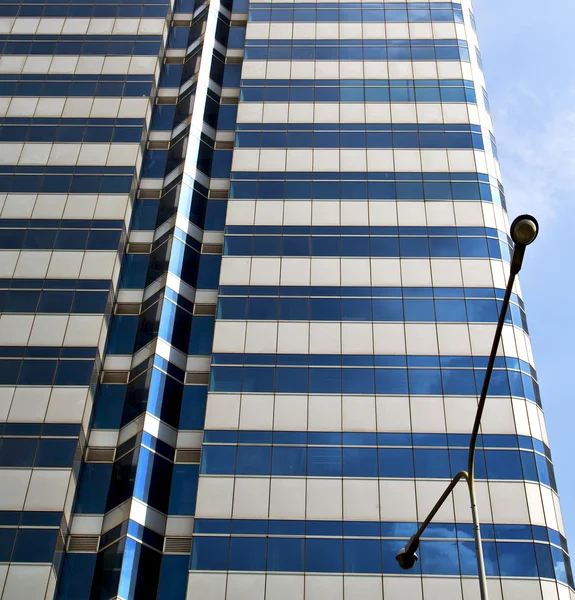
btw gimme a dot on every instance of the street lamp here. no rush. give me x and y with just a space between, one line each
524 230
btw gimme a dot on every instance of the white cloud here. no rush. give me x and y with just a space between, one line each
536 140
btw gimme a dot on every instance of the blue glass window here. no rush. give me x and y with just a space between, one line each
358 381
210 554
183 490
253 460
324 461
396 462
258 379
285 554
35 545
431 463
173 577
292 380
289 461
517 559
201 336
458 382
503 464
362 556
193 407
424 381
225 379
7 537
359 462
439 558
76 579
220 460
325 381
18 452
55 453
391 381
109 406
387 310
232 308
324 555
248 554
296 309
544 561
93 488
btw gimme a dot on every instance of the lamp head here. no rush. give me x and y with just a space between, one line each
405 559
407 556
524 230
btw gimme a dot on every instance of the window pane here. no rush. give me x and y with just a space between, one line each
324 555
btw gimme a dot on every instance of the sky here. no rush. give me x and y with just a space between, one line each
528 58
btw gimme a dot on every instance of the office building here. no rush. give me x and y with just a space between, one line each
251 260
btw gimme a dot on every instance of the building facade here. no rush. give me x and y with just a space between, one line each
251 257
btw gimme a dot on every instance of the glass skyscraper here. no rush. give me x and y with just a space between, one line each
252 254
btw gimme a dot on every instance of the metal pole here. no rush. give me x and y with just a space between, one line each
475 433
469 475
477 536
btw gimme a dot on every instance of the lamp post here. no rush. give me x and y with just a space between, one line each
524 230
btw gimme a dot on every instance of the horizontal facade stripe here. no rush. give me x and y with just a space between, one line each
345 231
65 133
364 230
356 2
343 31
77 88
368 439
54 302
71 77
96 45
103 2
28 545
61 223
349 462
36 19
35 518
378 95
366 291
336 556
50 352
361 82
286 12
366 247
356 112
66 10
345 128
361 140
449 161
56 284
68 64
66 183
71 122
24 264
366 310
356 69
73 11
353 49
384 529
378 360
74 107
120 154
367 186
53 452
367 380
363 176
33 372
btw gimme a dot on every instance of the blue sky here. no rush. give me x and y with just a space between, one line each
528 56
